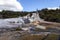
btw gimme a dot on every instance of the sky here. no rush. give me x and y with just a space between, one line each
28 5
32 5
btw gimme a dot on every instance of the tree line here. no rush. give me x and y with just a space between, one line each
50 15
46 14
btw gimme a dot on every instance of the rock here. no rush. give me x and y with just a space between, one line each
16 35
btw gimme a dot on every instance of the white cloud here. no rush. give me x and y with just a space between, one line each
54 8
12 5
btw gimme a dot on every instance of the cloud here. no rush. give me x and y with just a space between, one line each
12 5
53 8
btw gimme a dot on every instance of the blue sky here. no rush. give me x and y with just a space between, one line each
31 5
